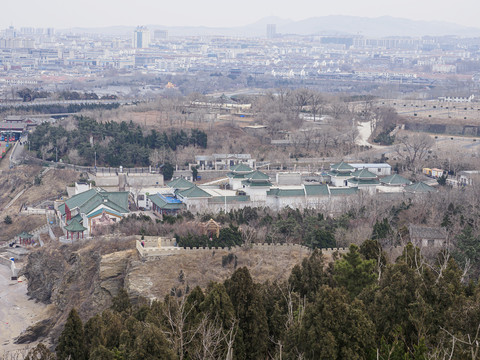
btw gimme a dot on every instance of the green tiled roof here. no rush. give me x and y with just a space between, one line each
342 167
364 174
77 217
162 204
236 176
285 192
343 191
117 201
25 235
241 168
340 174
80 199
230 199
194 192
264 183
364 181
89 200
99 211
395 179
419 187
257 175
180 183
75 226
315 190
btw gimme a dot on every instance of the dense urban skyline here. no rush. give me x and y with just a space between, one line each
214 13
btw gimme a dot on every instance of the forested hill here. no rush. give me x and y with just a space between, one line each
115 143
359 307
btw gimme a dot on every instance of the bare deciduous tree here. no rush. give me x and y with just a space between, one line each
414 148
176 312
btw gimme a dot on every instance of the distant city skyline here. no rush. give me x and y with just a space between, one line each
216 13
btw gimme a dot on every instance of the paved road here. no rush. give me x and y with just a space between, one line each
17 154
62 102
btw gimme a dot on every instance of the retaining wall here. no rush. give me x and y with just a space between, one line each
34 211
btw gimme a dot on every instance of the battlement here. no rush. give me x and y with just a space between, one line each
153 246
156 241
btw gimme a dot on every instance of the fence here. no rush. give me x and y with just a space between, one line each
91 169
64 240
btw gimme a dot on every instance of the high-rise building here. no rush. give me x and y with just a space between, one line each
10 32
271 31
160 34
27 31
141 38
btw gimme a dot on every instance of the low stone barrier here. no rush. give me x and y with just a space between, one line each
34 211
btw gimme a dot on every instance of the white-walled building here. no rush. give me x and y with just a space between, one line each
141 38
224 161
340 173
364 180
380 169
256 185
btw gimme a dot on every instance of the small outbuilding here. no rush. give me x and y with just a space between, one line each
25 238
428 237
74 227
211 228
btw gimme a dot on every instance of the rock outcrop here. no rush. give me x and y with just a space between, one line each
84 275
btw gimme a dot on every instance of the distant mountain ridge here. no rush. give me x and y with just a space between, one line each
383 26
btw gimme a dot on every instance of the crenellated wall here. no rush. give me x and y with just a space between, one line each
151 249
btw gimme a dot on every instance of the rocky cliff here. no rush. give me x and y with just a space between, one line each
88 275
85 276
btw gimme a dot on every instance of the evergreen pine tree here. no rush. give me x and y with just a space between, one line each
381 230
251 314
334 327
40 352
121 302
71 344
218 304
354 273
151 344
310 276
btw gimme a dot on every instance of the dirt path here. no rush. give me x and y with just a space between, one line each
364 132
16 311
15 199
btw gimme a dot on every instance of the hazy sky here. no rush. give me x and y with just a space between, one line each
218 13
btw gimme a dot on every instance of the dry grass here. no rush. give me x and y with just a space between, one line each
156 278
53 186
436 112
22 178
19 224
